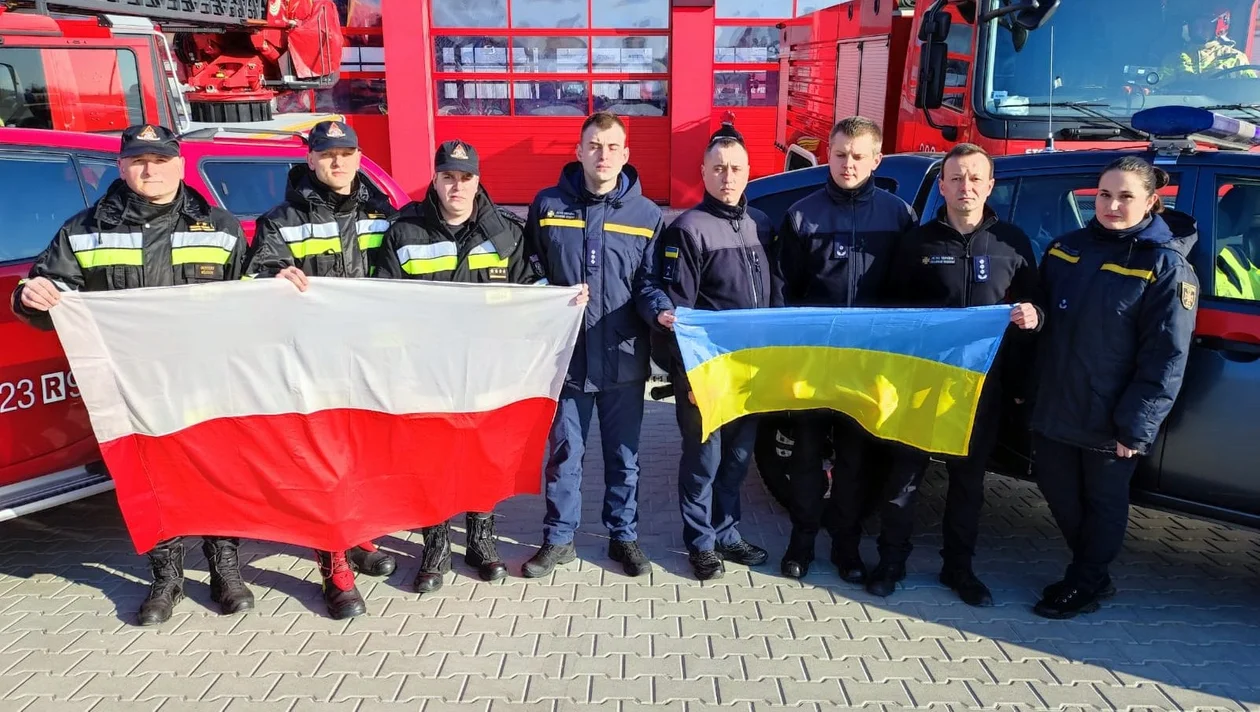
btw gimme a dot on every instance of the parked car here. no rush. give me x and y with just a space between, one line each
47 451
1206 459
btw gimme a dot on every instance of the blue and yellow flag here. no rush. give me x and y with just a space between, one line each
913 376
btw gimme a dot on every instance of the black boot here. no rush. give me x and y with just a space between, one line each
367 559
340 594
481 551
436 560
226 586
167 562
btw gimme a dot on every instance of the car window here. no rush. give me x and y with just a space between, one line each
96 176
1047 206
40 194
1237 239
775 205
247 188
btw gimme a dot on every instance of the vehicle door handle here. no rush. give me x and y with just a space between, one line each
1241 350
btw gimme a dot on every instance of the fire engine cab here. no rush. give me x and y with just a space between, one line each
1014 76
103 65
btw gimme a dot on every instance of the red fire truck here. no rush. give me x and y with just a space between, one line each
102 65
1014 76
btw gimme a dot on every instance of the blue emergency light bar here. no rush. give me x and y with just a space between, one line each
1191 121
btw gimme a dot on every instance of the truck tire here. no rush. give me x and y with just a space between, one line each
773 453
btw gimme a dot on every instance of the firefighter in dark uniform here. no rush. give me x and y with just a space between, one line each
330 224
595 228
966 257
714 257
457 234
835 249
1120 305
148 230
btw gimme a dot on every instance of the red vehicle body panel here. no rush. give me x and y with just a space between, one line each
44 427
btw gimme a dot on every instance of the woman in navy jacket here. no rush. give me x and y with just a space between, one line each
1121 299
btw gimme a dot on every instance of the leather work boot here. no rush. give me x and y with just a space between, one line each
167 562
481 551
367 559
226 586
436 560
340 594
548 557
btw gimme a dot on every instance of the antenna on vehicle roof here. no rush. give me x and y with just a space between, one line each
1050 128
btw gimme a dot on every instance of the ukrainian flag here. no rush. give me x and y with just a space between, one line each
913 376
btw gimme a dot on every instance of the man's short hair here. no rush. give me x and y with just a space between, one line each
855 126
963 150
603 121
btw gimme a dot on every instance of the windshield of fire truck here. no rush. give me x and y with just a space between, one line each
1121 56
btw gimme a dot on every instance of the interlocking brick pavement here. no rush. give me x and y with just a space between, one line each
1183 633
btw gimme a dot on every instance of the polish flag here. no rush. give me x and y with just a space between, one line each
320 419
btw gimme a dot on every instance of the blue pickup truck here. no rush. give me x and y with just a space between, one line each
1207 460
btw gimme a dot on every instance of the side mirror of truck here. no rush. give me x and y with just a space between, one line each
1028 14
932 65
934 33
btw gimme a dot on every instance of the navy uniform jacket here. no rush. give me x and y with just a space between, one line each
610 243
714 258
1120 312
836 246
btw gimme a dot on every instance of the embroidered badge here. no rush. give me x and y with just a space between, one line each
148 134
981 264
498 274
207 270
1189 295
671 264
335 131
840 251
459 152
940 260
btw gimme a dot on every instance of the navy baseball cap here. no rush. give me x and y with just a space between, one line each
327 135
457 156
148 138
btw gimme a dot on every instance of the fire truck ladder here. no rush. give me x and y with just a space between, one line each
216 13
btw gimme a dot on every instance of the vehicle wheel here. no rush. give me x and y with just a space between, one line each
772 453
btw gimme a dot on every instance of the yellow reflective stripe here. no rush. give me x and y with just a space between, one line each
486 261
430 265
247 276
649 233
186 255
110 256
1056 252
562 222
315 246
371 240
1140 273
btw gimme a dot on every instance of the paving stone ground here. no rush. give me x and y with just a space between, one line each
1183 633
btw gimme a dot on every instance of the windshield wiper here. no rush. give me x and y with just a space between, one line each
1090 111
1251 110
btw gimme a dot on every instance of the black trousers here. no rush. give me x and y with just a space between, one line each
1088 494
964 499
858 469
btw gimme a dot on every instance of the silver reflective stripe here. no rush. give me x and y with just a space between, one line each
485 248
204 239
426 252
98 240
307 231
541 283
365 227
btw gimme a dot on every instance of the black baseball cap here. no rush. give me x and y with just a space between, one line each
148 138
457 156
328 135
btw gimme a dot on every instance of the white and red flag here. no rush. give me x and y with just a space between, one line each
324 418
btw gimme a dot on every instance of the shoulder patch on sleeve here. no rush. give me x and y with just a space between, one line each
669 270
1189 295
